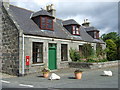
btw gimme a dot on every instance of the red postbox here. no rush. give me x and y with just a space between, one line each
27 60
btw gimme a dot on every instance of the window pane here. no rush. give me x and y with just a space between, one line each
81 50
46 23
43 26
77 32
64 52
43 19
74 32
73 27
43 22
39 59
49 26
94 34
97 35
37 52
49 21
77 29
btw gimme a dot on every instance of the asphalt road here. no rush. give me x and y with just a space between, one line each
90 79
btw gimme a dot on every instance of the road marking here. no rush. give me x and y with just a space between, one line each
5 81
26 85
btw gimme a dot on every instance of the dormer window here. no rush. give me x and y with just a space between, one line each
43 19
76 30
46 23
94 34
72 26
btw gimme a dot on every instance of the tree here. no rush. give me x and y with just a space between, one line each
118 47
111 35
111 50
112 40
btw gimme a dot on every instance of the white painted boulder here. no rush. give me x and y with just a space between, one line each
54 77
107 73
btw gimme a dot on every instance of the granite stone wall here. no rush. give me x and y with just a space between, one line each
0 36
92 65
10 45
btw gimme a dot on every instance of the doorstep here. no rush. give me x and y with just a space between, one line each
52 71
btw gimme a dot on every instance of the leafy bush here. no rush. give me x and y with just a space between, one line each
78 71
45 70
99 50
87 50
103 60
91 60
74 55
82 60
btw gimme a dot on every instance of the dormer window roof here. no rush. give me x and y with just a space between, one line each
91 28
69 22
42 13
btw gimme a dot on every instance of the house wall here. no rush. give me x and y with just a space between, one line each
103 46
60 64
10 48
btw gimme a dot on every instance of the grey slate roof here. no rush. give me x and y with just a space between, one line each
59 21
90 28
28 26
22 17
69 22
98 40
0 4
42 12
85 36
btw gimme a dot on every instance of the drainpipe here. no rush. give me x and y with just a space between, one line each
23 62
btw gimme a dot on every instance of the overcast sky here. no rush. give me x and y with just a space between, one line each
102 15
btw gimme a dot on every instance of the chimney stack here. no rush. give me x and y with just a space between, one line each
86 23
6 4
51 10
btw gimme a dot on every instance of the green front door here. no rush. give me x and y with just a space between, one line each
52 57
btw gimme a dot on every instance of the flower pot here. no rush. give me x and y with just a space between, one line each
78 75
45 75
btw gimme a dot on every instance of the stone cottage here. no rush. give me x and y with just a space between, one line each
31 40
